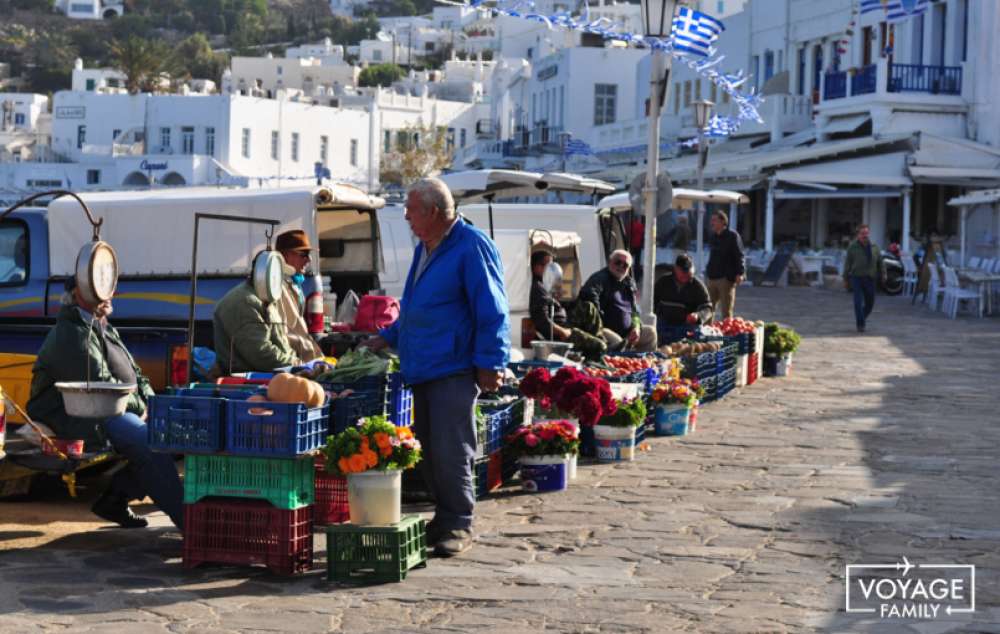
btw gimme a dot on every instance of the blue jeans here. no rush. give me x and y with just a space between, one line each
444 421
148 473
864 298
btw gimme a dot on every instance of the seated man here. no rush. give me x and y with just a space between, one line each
609 298
548 314
680 298
83 337
249 335
295 249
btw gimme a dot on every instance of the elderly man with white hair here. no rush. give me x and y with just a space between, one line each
453 339
609 295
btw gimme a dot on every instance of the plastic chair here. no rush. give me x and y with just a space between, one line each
934 289
910 275
974 262
987 265
954 294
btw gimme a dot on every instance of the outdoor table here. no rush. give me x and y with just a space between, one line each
984 281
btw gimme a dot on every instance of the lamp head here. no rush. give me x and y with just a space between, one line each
702 113
658 17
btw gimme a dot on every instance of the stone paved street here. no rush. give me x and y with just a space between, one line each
878 446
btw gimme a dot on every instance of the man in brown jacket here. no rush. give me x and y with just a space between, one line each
295 249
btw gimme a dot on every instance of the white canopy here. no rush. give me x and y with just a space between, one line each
560 181
620 201
978 197
885 170
475 185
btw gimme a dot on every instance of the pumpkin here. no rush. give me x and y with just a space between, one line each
286 388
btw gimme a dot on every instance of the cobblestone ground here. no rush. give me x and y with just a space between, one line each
878 446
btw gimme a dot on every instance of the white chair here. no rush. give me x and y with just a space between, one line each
987 264
934 289
910 275
954 294
973 262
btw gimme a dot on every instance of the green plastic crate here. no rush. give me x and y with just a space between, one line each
286 483
375 554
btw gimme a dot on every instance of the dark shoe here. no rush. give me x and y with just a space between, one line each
453 542
116 510
861 328
432 533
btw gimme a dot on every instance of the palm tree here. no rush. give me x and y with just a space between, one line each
143 62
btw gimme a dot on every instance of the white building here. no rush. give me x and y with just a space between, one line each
326 52
114 141
90 9
263 76
21 112
106 80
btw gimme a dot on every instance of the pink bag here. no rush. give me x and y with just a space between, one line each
376 312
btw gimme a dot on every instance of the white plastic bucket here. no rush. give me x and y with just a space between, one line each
374 497
742 369
784 366
672 419
544 473
614 444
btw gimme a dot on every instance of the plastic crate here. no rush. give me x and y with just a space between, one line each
246 533
279 430
375 554
285 483
743 342
753 368
210 390
346 411
186 424
498 422
520 368
492 471
702 365
238 380
709 385
331 505
400 407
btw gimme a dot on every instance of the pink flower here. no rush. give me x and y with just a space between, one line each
531 440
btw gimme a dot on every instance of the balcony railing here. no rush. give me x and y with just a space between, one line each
537 140
937 80
864 82
835 85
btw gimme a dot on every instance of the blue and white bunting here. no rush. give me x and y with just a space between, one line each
694 32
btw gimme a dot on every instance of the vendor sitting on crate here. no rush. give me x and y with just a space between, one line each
548 314
294 247
83 337
249 335
607 305
680 298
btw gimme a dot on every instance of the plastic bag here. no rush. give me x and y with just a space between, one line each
348 310
28 433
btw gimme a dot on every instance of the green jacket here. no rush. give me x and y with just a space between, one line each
254 333
857 264
65 354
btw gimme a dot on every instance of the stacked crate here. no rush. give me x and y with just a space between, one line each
249 482
493 466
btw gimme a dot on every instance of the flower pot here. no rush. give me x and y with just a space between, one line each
742 369
777 365
374 497
571 467
543 473
672 419
614 444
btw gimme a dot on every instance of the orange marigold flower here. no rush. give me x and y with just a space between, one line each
370 458
343 465
403 432
385 451
382 439
358 463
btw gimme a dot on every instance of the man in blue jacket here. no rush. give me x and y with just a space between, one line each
453 339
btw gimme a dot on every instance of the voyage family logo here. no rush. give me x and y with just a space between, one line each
910 591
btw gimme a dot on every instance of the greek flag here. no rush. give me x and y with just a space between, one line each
693 32
576 147
867 6
899 10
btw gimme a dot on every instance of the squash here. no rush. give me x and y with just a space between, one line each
286 388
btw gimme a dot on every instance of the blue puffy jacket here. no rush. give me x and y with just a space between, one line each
454 318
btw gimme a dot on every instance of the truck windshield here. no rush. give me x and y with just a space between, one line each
13 253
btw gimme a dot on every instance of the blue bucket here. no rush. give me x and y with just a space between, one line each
672 420
615 447
542 478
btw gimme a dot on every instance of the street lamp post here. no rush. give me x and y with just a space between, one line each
657 17
702 113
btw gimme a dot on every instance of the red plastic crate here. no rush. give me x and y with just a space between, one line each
752 374
248 532
236 380
331 505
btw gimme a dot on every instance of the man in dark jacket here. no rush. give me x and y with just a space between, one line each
862 267
84 345
612 291
549 317
453 338
726 269
681 299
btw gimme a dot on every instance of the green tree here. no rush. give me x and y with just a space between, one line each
247 33
381 75
143 62
199 60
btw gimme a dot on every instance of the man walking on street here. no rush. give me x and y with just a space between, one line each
862 265
726 269
453 339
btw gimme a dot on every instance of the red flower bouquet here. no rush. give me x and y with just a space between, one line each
549 438
571 392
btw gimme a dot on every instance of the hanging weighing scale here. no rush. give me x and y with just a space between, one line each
268 275
97 272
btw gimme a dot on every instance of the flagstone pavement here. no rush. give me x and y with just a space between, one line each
878 446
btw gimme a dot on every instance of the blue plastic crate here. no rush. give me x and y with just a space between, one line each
709 384
400 401
186 424
364 384
220 391
274 430
346 411
498 422
743 342
520 368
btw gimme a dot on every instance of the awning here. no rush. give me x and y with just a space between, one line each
883 170
620 201
962 176
980 197
846 124
560 181
472 185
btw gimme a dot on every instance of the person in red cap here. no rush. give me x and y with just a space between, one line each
294 247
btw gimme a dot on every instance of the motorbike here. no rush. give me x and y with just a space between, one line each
891 281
